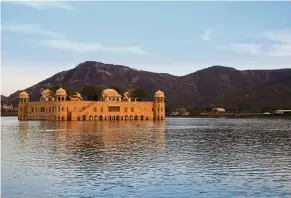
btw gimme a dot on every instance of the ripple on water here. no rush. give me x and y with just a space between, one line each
175 158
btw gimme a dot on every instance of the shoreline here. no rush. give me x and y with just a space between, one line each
234 116
199 116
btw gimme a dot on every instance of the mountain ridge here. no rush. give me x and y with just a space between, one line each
195 89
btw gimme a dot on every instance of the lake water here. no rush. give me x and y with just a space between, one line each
176 158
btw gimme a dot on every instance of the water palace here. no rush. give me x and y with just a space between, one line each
112 106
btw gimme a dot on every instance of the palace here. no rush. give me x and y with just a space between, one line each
112 106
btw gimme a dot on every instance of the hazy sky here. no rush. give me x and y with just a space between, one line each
42 38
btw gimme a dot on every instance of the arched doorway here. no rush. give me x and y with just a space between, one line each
136 117
126 117
141 117
117 117
131 117
121 118
95 117
62 118
84 117
90 117
100 117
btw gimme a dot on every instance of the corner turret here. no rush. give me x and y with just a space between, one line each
159 105
22 105
23 97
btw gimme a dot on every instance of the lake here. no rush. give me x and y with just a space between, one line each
180 157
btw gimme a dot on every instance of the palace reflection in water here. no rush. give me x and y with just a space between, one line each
130 135
187 157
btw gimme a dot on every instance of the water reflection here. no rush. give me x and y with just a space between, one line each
187 157
23 130
99 134
85 143
122 136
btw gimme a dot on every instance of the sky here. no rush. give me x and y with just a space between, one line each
39 39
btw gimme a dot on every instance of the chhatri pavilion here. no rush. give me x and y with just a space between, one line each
112 106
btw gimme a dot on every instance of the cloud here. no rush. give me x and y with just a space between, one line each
43 5
280 48
86 47
206 34
57 41
243 48
283 39
30 29
281 36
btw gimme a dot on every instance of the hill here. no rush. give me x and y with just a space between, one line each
4 99
224 86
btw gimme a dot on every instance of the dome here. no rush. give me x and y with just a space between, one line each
110 92
23 94
159 94
76 95
47 92
61 92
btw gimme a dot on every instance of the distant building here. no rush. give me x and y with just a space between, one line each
7 107
180 112
218 110
283 112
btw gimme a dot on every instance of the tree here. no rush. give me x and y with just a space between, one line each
116 88
137 93
91 92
